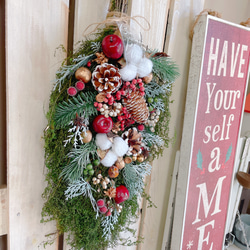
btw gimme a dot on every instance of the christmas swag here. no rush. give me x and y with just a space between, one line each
107 120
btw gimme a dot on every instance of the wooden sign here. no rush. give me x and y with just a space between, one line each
219 87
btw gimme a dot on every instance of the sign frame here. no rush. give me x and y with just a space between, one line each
188 137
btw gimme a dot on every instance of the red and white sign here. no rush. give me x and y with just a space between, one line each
223 81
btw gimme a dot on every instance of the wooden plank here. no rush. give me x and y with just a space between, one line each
34 30
156 14
178 45
152 225
86 13
170 212
3 167
3 210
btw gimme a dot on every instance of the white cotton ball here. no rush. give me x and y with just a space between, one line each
133 53
109 159
144 67
119 147
128 73
103 142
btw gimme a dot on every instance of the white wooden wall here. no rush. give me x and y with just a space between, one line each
34 29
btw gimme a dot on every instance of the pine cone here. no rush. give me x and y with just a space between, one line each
134 140
137 107
111 192
106 78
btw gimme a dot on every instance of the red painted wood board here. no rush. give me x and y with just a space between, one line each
220 100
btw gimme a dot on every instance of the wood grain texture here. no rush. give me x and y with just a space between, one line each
156 13
34 30
86 13
152 225
3 210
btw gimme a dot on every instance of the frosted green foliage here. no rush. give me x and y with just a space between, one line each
151 139
96 46
66 71
107 223
81 187
159 105
134 176
79 158
82 105
165 68
153 89
75 133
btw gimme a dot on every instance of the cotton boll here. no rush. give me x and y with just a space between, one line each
133 53
103 142
144 67
119 147
128 73
109 159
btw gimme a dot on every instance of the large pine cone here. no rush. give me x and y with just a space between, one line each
137 107
106 78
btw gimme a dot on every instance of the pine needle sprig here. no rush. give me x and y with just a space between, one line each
82 105
81 187
79 158
66 71
165 68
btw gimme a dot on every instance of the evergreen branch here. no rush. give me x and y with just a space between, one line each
166 69
81 187
108 222
96 46
159 105
134 176
79 158
151 139
83 105
153 89
66 71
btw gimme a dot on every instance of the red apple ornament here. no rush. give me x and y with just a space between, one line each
102 124
112 46
122 194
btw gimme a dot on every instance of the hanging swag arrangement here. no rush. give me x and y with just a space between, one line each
108 119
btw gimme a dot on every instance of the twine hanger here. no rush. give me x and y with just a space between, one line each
205 11
115 17
246 23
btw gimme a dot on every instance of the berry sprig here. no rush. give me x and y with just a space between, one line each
135 83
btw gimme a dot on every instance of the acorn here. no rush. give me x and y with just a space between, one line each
120 163
148 78
83 74
128 160
140 158
87 136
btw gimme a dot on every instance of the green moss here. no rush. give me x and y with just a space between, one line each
76 216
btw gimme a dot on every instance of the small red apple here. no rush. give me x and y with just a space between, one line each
122 194
112 46
102 124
